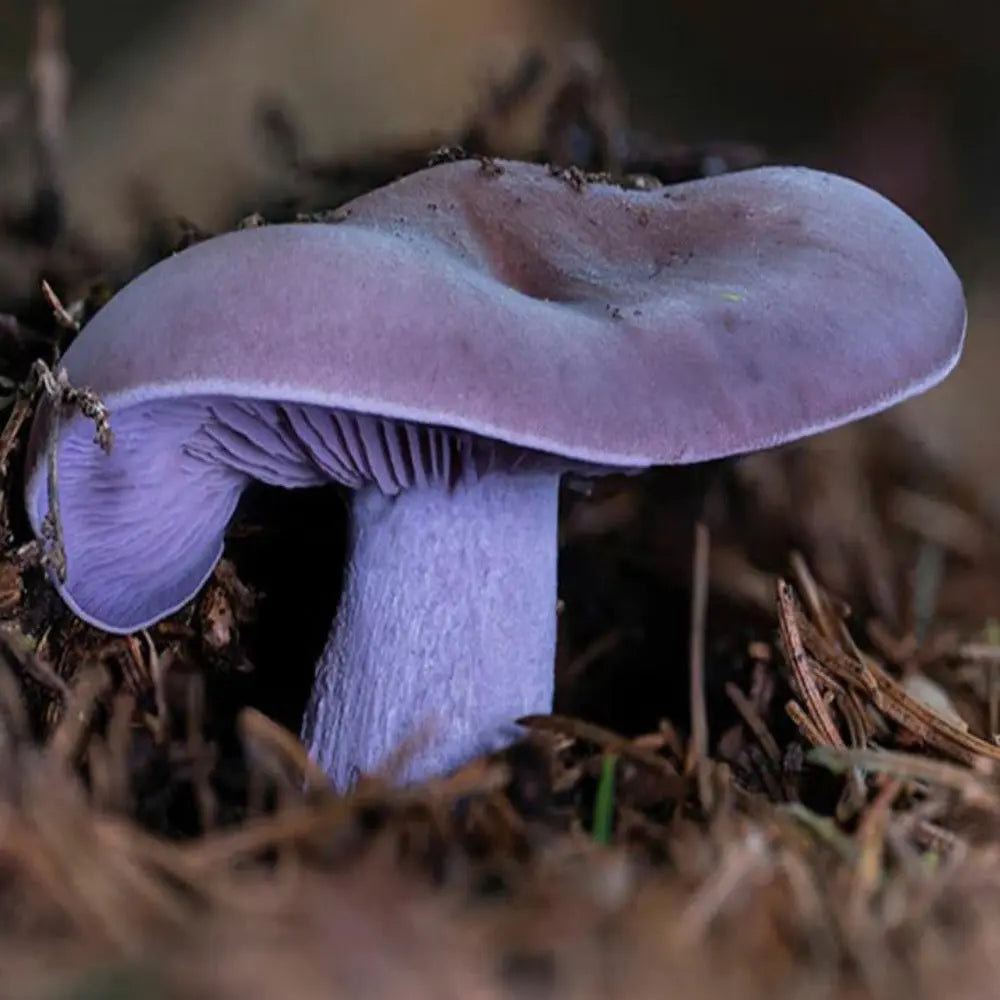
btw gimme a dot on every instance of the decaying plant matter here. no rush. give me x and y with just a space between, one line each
747 785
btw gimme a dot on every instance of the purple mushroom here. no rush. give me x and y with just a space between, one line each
447 350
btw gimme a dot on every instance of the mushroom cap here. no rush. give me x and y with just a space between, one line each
471 317
607 325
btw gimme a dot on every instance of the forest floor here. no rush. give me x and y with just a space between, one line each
771 771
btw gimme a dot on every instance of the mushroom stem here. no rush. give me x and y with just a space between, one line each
446 629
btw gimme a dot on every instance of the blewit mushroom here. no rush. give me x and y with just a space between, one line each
447 351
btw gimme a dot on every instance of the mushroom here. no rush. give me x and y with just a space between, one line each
447 349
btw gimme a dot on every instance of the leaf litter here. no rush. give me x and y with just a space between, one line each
772 769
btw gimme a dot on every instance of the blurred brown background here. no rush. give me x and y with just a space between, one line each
167 98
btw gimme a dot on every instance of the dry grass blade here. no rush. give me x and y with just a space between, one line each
609 741
780 786
479 777
9 437
32 661
812 918
871 680
20 413
698 747
926 725
811 733
860 726
979 652
871 843
62 844
850 668
744 864
816 601
265 740
294 824
933 837
992 670
69 738
200 755
108 759
753 719
941 523
732 574
974 787
858 917
988 655
62 315
792 646
14 722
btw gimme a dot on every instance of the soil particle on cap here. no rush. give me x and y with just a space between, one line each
488 165
573 176
447 154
